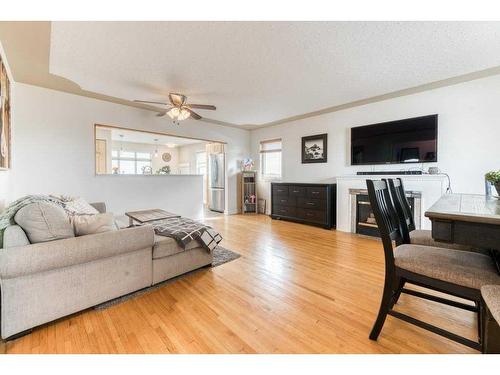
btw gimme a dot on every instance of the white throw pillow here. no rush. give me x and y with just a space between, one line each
79 206
92 224
44 222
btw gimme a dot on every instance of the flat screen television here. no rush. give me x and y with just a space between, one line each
412 140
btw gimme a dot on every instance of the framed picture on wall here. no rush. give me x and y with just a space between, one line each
4 118
314 148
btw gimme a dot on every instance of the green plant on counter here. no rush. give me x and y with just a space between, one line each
164 170
493 177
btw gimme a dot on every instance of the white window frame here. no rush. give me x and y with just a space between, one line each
266 176
135 159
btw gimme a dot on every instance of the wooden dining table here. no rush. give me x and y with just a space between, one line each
467 219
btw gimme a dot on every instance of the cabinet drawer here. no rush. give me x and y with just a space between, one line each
318 204
280 190
281 200
312 215
297 191
284 210
316 192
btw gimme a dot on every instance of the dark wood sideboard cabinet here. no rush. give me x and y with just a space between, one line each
314 204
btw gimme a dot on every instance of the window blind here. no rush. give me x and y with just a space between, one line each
272 145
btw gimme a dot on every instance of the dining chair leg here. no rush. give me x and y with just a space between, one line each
401 284
385 305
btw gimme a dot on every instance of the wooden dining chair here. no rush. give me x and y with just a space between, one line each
410 234
457 273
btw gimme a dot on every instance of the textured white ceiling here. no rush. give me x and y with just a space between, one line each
259 72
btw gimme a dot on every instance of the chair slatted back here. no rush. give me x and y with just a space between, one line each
386 217
403 208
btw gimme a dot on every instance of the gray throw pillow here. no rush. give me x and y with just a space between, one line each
44 222
92 224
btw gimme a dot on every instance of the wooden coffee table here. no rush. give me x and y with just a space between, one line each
146 216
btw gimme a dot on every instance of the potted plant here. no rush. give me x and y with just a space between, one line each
164 170
494 178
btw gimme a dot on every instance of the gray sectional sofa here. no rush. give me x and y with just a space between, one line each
43 282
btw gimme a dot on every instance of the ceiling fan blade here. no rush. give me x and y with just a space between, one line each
194 115
177 99
148 102
161 114
202 106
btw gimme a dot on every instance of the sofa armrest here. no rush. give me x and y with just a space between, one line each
99 206
14 236
46 256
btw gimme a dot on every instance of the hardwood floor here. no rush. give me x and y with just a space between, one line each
296 289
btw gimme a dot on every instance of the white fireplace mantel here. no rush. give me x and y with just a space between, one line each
431 188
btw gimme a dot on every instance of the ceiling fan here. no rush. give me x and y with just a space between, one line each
178 109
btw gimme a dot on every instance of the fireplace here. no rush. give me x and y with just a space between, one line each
362 219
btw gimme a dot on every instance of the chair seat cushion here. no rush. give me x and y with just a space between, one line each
491 295
424 237
463 268
167 246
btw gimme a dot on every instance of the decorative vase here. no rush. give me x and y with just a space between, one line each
497 186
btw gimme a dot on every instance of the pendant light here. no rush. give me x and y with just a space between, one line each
156 149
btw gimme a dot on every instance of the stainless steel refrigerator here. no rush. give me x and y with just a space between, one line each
216 182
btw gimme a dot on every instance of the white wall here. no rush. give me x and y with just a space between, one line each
175 193
4 188
468 139
187 155
53 150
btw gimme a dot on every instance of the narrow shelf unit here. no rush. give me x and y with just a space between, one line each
249 192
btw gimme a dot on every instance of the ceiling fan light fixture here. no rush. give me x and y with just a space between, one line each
173 113
184 114
178 114
179 110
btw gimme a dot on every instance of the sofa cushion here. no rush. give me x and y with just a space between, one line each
463 268
167 246
43 257
14 236
92 224
42 222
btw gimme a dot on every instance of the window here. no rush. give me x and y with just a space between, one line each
201 162
270 159
130 162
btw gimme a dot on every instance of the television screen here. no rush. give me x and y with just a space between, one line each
412 140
